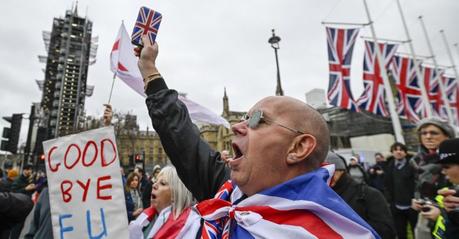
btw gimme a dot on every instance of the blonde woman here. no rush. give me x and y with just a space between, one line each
170 208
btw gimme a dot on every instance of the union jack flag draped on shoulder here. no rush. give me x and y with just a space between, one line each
303 207
431 83
373 96
409 98
452 93
340 47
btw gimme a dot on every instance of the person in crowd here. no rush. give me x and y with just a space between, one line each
154 175
7 166
431 132
24 183
10 178
443 214
108 114
170 208
399 187
14 208
368 202
145 187
356 170
225 156
40 225
3 188
278 150
376 172
133 197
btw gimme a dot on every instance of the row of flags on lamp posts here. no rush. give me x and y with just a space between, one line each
409 101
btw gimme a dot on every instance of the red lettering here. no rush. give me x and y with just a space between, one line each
103 187
91 142
104 164
85 188
76 160
53 169
66 196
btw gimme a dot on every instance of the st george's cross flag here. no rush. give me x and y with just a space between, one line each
123 64
373 97
340 44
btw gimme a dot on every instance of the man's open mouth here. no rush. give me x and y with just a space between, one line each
237 152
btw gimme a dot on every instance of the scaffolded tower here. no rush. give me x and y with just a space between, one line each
71 49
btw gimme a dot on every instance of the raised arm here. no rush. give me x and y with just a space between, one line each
198 166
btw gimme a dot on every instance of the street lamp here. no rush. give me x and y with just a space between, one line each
274 41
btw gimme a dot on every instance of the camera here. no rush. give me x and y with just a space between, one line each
425 209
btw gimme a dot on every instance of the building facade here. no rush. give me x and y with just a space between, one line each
218 136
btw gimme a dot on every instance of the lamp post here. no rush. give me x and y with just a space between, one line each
274 41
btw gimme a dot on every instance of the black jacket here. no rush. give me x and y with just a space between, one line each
400 184
14 208
369 203
198 165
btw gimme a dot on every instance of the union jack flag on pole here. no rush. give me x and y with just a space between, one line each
373 96
431 83
409 98
147 23
452 93
340 46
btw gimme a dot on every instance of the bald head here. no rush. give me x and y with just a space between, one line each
303 117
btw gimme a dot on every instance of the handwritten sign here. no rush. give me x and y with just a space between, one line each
85 186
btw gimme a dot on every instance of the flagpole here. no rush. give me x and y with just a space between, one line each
390 97
385 40
449 54
457 49
111 89
417 66
438 75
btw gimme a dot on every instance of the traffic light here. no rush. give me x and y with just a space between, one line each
12 134
137 157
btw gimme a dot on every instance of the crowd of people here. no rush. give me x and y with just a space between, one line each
282 180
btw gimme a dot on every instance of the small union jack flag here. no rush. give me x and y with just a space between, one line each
409 98
147 23
373 96
340 46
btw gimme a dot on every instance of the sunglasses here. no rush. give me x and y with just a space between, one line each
257 118
433 133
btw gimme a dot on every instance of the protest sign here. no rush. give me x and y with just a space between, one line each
85 186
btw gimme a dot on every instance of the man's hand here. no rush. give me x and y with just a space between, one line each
431 214
30 187
147 58
450 201
108 114
416 204
137 212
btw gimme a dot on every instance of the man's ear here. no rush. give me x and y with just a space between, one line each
302 146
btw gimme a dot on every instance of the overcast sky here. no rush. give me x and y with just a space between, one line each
208 45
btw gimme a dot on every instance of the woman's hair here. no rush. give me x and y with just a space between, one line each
130 178
180 196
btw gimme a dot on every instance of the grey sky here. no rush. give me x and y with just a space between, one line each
207 45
